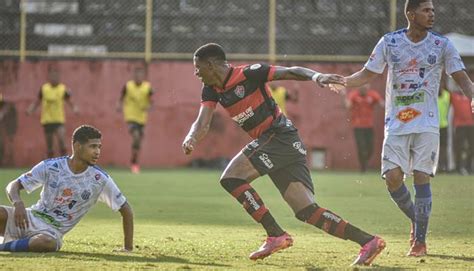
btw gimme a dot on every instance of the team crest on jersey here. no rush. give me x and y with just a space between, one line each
85 194
239 91
432 59
255 66
408 115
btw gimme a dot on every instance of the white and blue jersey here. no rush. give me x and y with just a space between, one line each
66 197
414 74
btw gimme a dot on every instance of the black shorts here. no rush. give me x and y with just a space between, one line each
135 126
52 127
280 153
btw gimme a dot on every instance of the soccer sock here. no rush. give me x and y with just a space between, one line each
134 158
332 224
253 204
20 245
403 200
422 210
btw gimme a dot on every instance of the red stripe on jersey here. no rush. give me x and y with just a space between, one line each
271 72
236 77
209 104
262 127
254 100
316 216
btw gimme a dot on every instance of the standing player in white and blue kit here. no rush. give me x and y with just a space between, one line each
71 186
415 57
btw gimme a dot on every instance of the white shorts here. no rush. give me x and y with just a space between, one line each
36 226
411 152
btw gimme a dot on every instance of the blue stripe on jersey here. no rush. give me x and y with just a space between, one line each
101 170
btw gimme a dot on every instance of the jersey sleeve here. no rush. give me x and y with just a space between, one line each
377 59
35 178
452 59
260 72
209 97
112 196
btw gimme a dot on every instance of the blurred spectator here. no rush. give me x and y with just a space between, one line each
361 103
281 96
463 132
136 102
52 96
8 126
443 109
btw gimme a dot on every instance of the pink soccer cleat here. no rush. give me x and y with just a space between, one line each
272 245
369 251
417 250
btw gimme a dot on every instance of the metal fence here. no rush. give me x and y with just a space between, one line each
291 30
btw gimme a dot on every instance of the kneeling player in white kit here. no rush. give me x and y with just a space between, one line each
71 186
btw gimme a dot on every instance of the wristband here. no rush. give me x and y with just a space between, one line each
315 77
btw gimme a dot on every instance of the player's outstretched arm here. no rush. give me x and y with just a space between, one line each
466 85
127 222
13 193
305 74
360 78
199 129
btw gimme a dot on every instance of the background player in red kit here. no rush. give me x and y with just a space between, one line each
276 149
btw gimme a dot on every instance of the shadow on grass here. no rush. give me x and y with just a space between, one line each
113 257
452 257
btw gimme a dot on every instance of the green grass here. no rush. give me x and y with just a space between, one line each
185 220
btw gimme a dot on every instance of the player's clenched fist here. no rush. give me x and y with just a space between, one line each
188 145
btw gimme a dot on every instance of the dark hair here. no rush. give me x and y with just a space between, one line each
83 133
210 50
413 4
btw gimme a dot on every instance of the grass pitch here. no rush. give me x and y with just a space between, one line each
185 220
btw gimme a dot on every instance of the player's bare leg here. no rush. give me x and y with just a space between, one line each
42 243
61 134
301 200
3 220
49 144
136 144
236 179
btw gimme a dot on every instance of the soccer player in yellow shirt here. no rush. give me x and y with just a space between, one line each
136 102
51 97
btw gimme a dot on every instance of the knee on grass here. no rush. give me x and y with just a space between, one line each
43 243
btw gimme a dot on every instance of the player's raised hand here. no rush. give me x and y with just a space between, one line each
188 145
21 219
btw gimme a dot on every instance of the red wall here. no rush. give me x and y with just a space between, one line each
319 114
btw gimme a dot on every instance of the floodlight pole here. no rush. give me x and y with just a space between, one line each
393 15
148 30
272 31
22 30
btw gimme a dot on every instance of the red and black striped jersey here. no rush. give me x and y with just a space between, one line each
243 99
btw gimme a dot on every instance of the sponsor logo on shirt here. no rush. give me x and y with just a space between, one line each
421 73
239 91
97 176
254 144
67 192
266 160
298 146
417 97
242 117
411 69
408 115
411 86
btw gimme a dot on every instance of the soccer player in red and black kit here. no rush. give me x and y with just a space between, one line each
276 149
